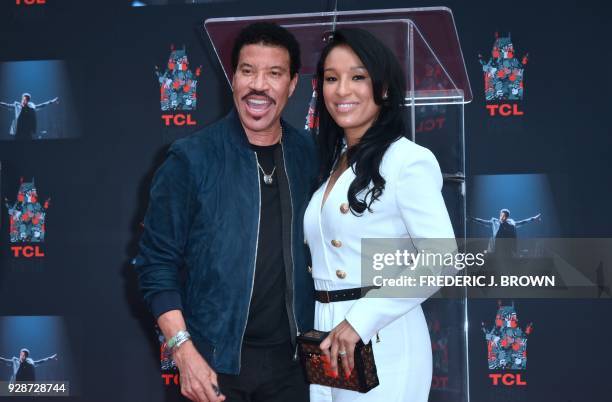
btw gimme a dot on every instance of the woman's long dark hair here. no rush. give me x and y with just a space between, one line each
387 76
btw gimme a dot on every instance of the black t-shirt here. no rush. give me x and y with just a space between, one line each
268 322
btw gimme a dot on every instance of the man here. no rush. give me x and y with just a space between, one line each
504 228
23 126
23 367
227 205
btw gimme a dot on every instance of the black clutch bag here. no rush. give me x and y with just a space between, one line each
363 377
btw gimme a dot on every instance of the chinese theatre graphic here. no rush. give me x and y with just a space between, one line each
169 371
504 78
178 89
430 80
27 215
312 122
439 348
507 346
27 222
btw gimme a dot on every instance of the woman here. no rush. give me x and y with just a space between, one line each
392 190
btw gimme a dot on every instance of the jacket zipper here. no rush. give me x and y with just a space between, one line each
292 307
254 264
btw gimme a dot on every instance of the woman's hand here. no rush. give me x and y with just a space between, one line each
341 342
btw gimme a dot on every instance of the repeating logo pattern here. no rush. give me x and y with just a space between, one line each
178 84
506 342
169 371
312 123
503 73
439 346
27 216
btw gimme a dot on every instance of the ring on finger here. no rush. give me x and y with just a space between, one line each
342 353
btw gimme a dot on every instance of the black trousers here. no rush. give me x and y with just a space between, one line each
268 374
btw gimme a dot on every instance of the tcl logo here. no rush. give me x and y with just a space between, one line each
508 379
178 119
504 110
29 2
27 251
170 379
432 124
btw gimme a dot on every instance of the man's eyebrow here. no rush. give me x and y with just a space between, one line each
282 68
278 68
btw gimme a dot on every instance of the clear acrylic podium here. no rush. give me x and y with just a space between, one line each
426 43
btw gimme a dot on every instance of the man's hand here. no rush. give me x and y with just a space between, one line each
198 380
343 338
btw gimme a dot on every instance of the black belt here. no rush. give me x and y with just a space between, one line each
325 296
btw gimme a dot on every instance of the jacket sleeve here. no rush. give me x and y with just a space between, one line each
166 226
8 361
422 209
44 360
526 221
44 104
484 222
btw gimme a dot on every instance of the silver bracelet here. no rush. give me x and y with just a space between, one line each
177 340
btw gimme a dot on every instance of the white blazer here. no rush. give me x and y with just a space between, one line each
411 206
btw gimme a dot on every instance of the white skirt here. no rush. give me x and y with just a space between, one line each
403 356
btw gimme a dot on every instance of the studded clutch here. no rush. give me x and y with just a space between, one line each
363 377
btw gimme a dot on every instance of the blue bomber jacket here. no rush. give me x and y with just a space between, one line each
203 217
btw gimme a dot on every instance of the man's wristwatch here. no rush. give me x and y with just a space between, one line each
177 340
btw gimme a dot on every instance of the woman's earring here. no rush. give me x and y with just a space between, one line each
385 96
